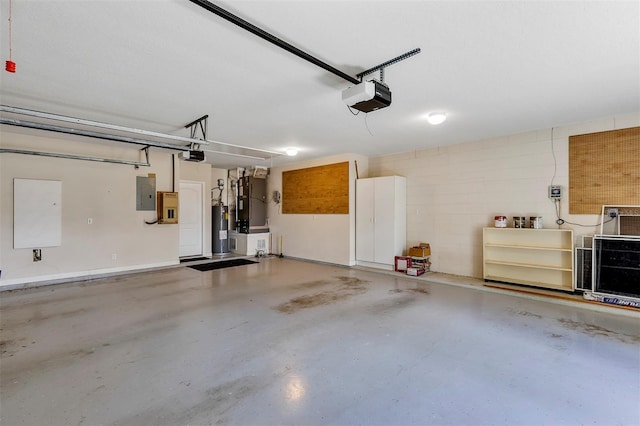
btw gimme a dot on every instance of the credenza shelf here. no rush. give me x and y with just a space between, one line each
534 257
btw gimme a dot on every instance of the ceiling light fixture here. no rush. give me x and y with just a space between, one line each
291 152
436 118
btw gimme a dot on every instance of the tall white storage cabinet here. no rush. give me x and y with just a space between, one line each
381 220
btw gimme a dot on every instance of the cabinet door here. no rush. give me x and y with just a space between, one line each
364 220
384 220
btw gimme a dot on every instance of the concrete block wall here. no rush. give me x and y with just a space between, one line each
455 191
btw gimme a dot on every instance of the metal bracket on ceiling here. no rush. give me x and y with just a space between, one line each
201 124
146 154
383 65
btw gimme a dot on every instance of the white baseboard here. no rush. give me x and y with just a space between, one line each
322 262
384 266
26 282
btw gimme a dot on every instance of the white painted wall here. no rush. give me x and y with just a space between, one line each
455 191
101 191
452 192
324 237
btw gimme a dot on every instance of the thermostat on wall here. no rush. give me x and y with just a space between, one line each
555 192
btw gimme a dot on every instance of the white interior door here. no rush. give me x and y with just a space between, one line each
191 218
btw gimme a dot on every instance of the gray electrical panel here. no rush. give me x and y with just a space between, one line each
145 193
252 205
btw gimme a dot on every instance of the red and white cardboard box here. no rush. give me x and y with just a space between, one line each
415 271
401 263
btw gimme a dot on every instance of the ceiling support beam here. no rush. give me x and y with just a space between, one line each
272 39
91 123
231 154
75 157
219 147
90 134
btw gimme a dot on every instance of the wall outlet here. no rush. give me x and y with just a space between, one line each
90 221
37 255
114 256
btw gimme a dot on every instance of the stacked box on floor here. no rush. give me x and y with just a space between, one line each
422 250
419 259
415 271
421 262
402 263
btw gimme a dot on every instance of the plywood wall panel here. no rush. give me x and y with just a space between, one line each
604 168
316 190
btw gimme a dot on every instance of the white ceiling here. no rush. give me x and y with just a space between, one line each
496 68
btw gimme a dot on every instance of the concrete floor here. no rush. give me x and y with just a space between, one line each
291 342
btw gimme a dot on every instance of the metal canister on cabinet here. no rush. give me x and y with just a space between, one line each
535 222
500 221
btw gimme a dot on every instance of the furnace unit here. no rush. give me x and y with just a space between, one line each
252 205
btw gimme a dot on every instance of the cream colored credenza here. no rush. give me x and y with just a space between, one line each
535 257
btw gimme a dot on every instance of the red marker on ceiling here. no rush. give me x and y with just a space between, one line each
10 66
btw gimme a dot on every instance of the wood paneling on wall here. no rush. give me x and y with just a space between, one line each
604 168
316 190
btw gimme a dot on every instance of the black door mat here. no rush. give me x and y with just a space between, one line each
193 259
222 264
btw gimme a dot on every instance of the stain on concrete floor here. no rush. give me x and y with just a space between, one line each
590 329
206 406
595 330
313 284
344 287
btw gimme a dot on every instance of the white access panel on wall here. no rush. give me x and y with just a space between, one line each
37 213
381 220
